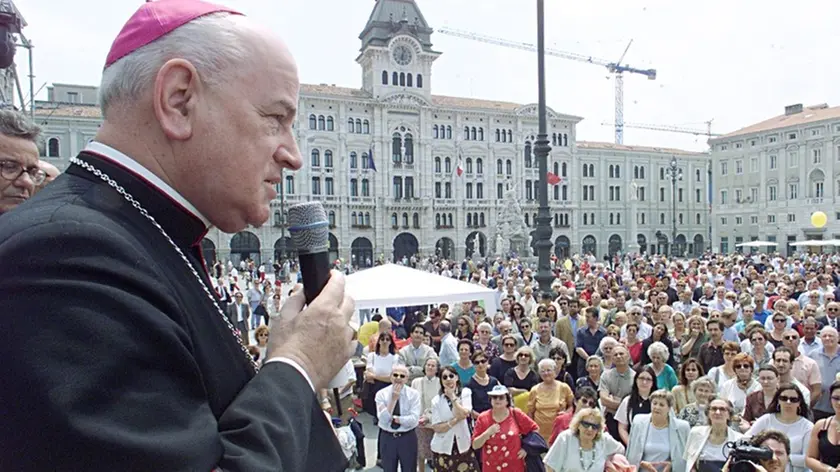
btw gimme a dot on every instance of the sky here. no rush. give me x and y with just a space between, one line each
736 62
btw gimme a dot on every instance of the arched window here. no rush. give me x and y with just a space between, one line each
354 188
479 166
365 188
437 164
395 78
509 167
322 124
498 135
353 219
447 165
415 220
557 168
290 184
635 172
53 147
466 132
469 219
405 220
328 159
449 220
367 218
554 139
354 160
402 79
409 148
473 134
510 136
358 125
611 171
396 147
527 154
316 158
448 132
351 125
481 134
617 172
313 122
499 167
409 81
384 77
419 80
331 218
469 165
437 220
394 221
435 131
330 124
366 127
642 172
565 140
365 161
481 219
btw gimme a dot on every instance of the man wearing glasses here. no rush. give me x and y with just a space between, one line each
18 160
398 413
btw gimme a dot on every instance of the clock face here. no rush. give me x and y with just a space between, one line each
402 55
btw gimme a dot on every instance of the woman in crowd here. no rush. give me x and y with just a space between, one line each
660 335
274 305
429 387
613 331
605 349
451 443
517 314
558 355
548 398
788 413
694 338
657 440
737 389
464 365
759 348
540 313
551 312
483 341
500 429
261 336
634 344
584 447
776 336
758 403
465 329
480 384
721 373
695 413
528 336
824 444
690 370
676 336
521 379
594 369
665 376
507 360
584 398
637 403
704 450
378 370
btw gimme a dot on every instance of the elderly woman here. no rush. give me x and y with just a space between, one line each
695 413
521 379
704 449
737 389
451 443
657 440
660 335
484 342
665 376
429 387
758 402
605 349
694 338
584 398
548 398
500 429
788 413
594 369
584 447
758 347
690 370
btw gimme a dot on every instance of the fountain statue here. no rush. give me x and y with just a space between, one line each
511 232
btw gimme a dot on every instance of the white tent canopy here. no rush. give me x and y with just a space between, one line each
817 242
756 244
393 285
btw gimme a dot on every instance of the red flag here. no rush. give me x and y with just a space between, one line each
459 170
553 179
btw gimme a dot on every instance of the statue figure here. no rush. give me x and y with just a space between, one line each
634 191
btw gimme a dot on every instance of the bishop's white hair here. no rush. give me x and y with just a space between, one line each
214 44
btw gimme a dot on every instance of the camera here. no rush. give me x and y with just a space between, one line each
742 452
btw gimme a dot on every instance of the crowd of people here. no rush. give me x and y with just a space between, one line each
645 362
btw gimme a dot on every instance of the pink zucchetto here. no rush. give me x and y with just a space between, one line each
153 20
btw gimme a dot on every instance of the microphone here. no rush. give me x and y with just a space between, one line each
309 228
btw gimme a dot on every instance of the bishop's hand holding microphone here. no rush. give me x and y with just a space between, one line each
318 337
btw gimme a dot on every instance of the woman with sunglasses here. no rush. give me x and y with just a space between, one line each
824 442
788 413
780 324
584 447
517 314
586 397
483 341
721 373
705 447
498 433
451 443
507 360
465 329
657 440
378 370
521 379
637 403
737 389
690 370
481 383
558 355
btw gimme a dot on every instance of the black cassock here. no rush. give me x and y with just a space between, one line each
112 357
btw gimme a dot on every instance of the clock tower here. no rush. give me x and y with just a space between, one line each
396 54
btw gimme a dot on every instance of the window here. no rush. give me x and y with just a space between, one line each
419 80
415 220
316 186
447 165
354 188
366 127
771 139
662 218
290 185
500 191
585 170
680 195
724 221
753 164
774 161
772 193
409 187
771 218
509 167
481 134
697 175
738 145
328 159
398 187
724 197
679 218
354 160
819 190
315 161
739 167
470 190
313 122
791 136
394 218
384 77
661 194
739 195
661 173
499 168
641 193
529 191
321 123
793 191
791 218
438 188
447 190
366 161
816 132
351 125
410 80
402 79
328 186
697 218
816 156
396 147
724 168
469 163
365 188
754 194
479 166
408 145
437 165
753 219
793 158
724 245
395 78
697 195
739 221
479 191
53 147
527 155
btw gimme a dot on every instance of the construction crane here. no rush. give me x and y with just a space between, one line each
671 129
616 68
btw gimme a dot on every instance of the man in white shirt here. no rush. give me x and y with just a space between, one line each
448 345
545 343
398 412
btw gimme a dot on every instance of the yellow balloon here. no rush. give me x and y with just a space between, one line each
818 219
568 264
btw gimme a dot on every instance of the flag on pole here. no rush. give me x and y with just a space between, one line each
459 169
554 179
371 164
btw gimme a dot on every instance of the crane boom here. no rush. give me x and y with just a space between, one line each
670 129
615 68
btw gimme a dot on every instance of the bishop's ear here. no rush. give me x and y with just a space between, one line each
177 90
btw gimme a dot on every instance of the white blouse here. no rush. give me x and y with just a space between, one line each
799 434
441 412
429 389
381 365
565 454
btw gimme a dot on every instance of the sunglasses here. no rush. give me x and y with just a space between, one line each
719 409
481 361
398 376
527 356
779 320
509 345
787 399
496 398
743 366
587 402
590 425
449 377
791 338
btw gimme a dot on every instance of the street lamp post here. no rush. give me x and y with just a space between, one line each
544 277
674 173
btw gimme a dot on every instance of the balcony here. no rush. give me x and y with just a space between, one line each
815 201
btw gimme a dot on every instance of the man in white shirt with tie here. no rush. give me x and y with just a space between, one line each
398 409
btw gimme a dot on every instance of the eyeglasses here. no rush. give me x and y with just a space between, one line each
791 338
645 379
496 398
719 409
744 366
480 361
398 376
527 356
787 399
449 377
590 425
509 345
12 170
779 320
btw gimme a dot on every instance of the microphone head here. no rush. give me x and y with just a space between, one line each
309 227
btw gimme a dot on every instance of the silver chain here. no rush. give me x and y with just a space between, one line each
127 196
